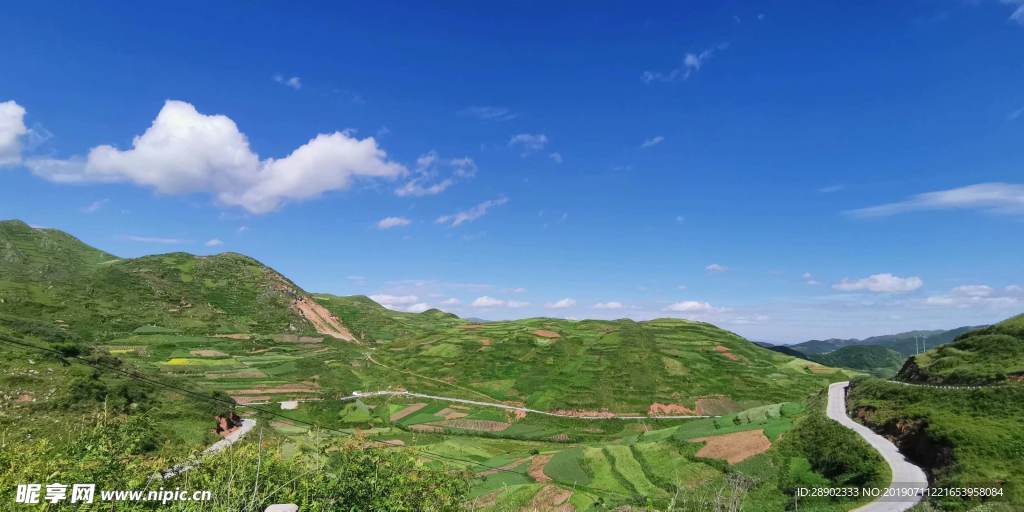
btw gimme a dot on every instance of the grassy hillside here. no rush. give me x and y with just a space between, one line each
905 342
228 325
988 356
964 437
876 360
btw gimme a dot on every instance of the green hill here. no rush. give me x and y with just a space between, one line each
991 355
960 418
906 343
876 360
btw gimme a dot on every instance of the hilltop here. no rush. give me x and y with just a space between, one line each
874 359
991 355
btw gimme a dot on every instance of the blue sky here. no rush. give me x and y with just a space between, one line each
784 171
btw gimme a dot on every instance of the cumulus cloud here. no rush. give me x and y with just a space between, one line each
715 267
419 307
451 302
653 141
561 304
184 151
489 113
517 303
12 130
691 306
529 142
293 82
880 283
393 222
214 242
487 302
809 279
609 305
426 178
394 301
692 63
471 214
998 198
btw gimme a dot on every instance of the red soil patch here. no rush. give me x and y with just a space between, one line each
519 414
546 334
716 406
245 400
603 413
536 470
24 398
657 409
284 388
735 447
486 342
725 352
551 498
322 320
409 409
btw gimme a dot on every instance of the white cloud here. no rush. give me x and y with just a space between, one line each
528 142
561 304
12 129
1015 115
517 304
831 189
692 63
293 82
451 302
1018 10
556 157
394 300
691 306
393 222
214 242
425 177
489 113
809 279
880 283
487 302
95 206
185 151
609 305
715 267
419 307
979 296
471 214
653 141
157 240
517 290
998 198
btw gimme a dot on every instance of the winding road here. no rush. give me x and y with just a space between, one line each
908 481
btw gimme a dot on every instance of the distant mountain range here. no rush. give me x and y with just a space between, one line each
903 342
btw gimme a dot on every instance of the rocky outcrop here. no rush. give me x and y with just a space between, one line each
912 438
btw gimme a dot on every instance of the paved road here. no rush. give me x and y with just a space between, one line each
908 480
230 439
363 394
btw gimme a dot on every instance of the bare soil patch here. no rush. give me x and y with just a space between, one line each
409 409
519 414
603 413
234 336
207 353
24 398
657 409
478 425
551 498
426 428
716 406
486 342
276 390
449 413
323 321
240 374
560 438
295 338
725 353
536 470
248 399
546 334
735 447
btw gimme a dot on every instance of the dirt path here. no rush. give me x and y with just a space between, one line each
424 377
908 481
610 416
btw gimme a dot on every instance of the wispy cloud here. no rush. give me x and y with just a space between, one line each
556 157
1015 115
426 180
691 306
156 240
214 242
715 267
1018 10
471 214
293 82
529 142
979 296
609 305
880 283
692 63
489 113
809 279
831 189
561 304
653 141
393 222
997 198
95 206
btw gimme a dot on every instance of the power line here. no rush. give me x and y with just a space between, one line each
202 396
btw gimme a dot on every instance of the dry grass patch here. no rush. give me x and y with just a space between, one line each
536 470
547 334
207 353
552 498
478 425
